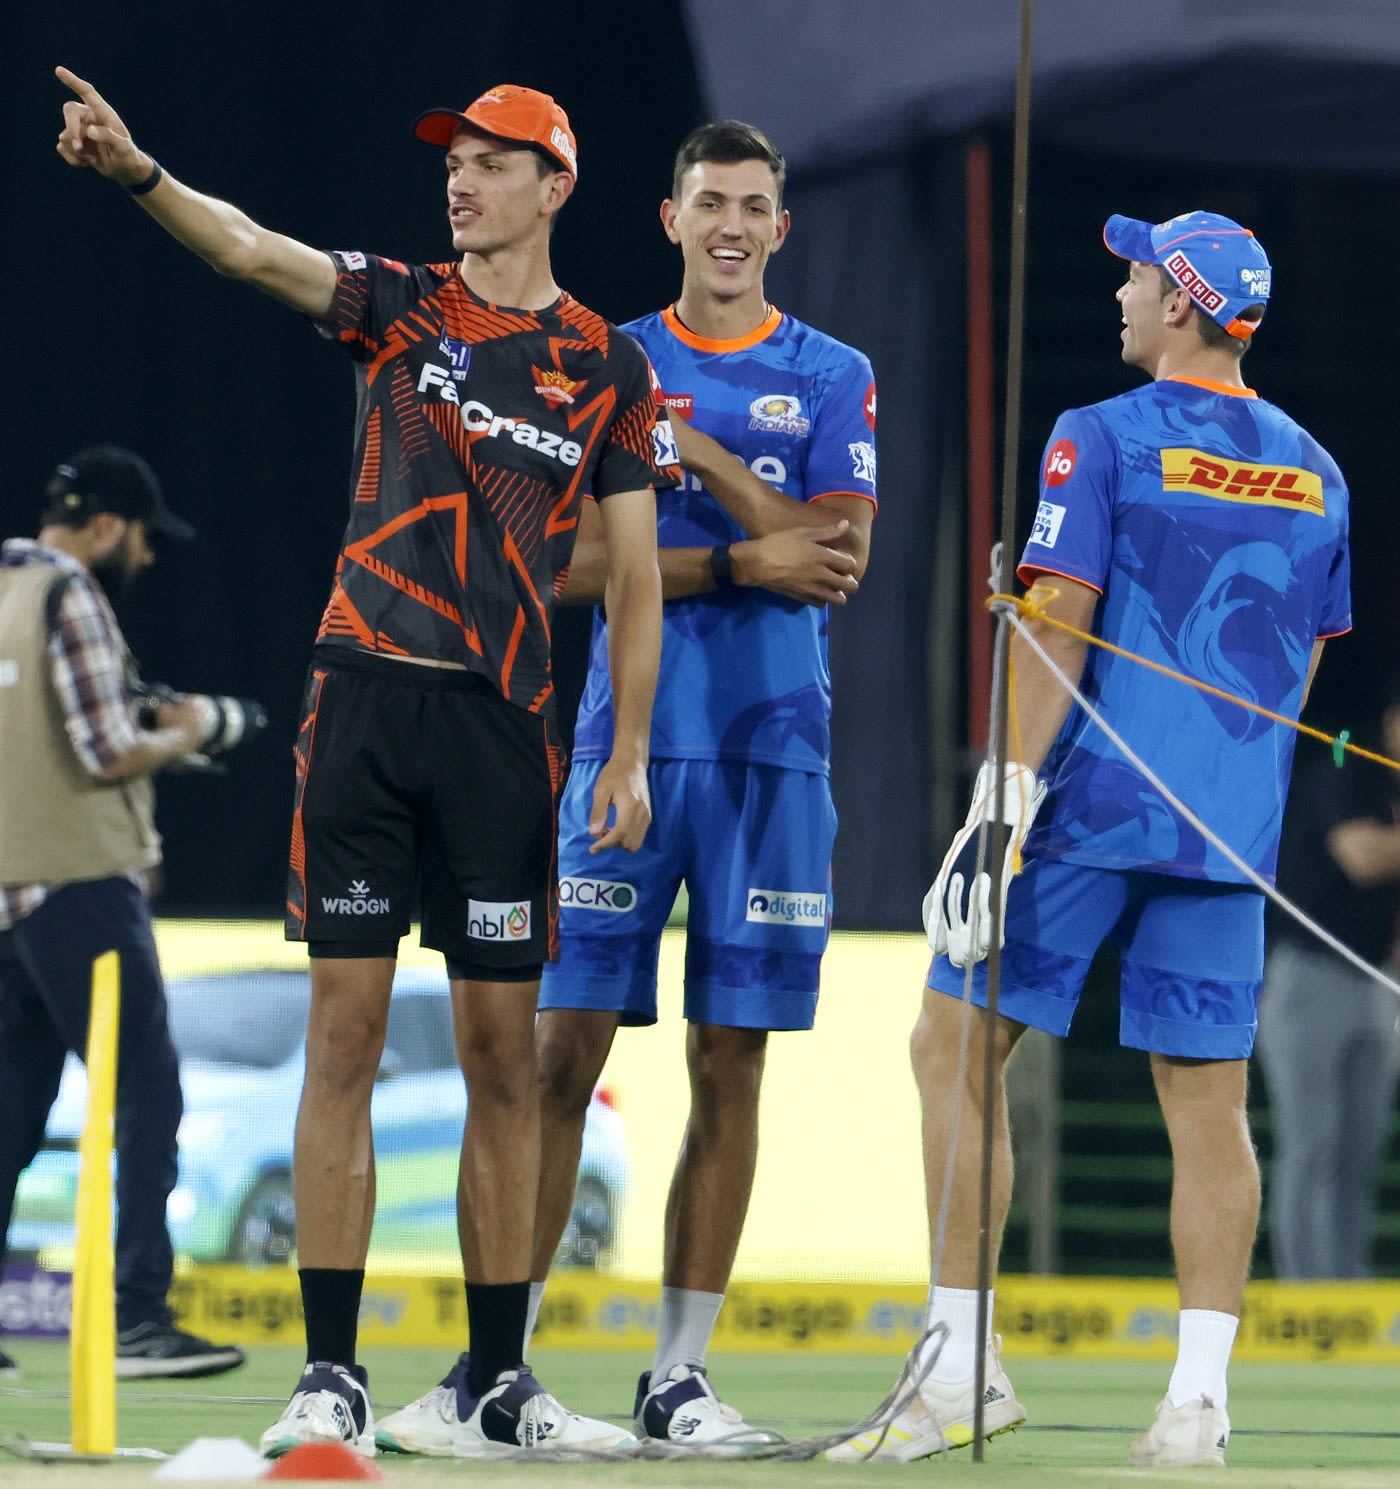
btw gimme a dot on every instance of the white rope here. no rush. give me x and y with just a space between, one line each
1007 612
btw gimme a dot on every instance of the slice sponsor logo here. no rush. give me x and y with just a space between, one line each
1286 486
498 920
786 907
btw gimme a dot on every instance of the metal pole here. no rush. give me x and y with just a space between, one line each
997 833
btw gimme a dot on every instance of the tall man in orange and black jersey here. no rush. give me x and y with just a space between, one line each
426 759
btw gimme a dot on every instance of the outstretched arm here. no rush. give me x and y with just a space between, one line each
94 136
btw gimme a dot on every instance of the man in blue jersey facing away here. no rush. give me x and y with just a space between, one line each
1197 526
752 549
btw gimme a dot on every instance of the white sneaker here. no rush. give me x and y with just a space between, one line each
938 1418
330 1404
684 1412
1192 1435
425 1426
517 1412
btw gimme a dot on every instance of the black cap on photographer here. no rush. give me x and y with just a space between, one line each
107 478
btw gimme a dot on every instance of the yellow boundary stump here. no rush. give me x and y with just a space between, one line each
94 1327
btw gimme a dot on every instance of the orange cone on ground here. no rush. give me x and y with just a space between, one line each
323 1460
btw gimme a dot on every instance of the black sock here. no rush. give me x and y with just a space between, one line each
496 1321
330 1298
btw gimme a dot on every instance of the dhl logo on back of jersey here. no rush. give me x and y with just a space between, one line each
1285 486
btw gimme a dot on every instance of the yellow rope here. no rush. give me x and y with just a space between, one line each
1037 611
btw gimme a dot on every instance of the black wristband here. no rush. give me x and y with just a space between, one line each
151 181
722 567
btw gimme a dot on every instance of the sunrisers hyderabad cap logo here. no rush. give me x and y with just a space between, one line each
1060 461
555 387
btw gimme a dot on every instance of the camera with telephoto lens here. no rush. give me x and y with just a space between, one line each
229 721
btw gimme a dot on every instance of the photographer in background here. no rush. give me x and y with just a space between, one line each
77 838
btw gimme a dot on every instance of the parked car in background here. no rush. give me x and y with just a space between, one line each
241 1037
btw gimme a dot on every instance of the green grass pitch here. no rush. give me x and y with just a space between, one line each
1303 1425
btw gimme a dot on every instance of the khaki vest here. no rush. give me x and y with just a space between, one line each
57 823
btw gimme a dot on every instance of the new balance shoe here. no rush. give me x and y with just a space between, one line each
939 1417
330 1404
684 1412
158 1349
1192 1435
425 1426
517 1412
9 1366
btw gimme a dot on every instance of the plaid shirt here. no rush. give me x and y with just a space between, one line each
87 653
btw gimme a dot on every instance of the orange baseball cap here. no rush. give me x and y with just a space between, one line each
508 112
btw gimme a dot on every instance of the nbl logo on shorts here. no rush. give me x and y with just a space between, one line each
498 920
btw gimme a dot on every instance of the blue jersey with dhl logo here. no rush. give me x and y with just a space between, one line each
744 671
1215 528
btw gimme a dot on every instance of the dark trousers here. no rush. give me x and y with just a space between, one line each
45 990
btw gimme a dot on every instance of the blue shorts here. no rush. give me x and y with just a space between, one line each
752 843
1192 953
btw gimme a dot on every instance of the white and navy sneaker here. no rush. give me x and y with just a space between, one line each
684 1412
1192 1435
938 1418
330 1404
517 1412
425 1426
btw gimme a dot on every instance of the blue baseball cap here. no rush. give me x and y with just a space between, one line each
1220 264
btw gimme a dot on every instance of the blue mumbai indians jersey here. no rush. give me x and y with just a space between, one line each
1215 529
743 671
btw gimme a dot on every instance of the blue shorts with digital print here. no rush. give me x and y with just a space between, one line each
752 844
1192 955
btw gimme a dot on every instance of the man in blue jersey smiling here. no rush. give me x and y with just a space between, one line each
1200 527
776 428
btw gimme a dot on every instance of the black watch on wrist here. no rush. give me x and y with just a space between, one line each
722 567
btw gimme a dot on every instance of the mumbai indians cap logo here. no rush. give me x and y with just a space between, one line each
780 413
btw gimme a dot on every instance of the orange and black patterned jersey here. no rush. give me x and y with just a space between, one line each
478 431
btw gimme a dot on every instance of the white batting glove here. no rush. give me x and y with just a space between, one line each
958 906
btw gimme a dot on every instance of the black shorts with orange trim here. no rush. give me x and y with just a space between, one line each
422 786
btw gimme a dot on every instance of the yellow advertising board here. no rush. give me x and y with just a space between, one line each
1087 1317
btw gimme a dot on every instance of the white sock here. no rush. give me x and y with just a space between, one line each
956 1307
532 1315
1204 1341
683 1335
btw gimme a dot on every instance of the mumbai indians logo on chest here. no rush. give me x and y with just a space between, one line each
778 413
458 353
786 907
1284 486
